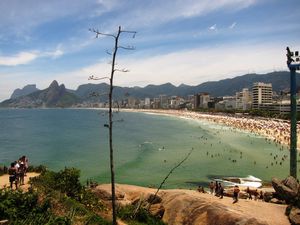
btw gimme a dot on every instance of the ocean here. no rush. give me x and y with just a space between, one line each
146 147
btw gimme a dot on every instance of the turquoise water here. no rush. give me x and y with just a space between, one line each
146 146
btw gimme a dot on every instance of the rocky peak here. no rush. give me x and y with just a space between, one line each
54 85
62 87
28 89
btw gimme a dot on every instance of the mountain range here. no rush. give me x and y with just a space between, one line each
59 96
280 82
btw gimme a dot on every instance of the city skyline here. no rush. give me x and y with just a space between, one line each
179 41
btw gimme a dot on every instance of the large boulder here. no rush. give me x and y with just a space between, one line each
286 189
294 216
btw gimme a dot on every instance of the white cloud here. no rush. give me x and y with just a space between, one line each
54 54
189 67
19 17
154 12
23 58
18 59
213 27
232 25
204 64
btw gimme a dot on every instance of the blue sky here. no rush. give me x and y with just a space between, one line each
177 41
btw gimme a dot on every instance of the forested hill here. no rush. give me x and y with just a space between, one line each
279 80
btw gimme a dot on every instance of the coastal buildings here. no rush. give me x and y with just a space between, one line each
261 95
201 100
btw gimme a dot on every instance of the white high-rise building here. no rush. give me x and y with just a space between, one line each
261 94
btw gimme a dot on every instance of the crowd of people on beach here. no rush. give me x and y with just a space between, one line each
17 171
274 129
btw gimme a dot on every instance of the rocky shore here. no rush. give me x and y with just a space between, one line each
180 207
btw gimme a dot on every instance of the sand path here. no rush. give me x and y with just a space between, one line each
4 181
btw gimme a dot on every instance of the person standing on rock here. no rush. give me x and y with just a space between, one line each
217 189
249 193
211 187
236 192
221 190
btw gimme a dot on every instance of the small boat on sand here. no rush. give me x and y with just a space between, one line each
249 181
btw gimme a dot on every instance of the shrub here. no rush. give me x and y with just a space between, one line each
142 216
65 181
25 208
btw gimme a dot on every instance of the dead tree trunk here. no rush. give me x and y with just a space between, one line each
110 112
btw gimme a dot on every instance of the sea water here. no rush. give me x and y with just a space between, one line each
146 147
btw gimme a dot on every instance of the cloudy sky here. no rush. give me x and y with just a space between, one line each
177 41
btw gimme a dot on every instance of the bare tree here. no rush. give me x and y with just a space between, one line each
110 97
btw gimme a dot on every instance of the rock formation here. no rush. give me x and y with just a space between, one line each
186 207
53 96
288 190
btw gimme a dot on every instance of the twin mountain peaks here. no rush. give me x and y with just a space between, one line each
58 96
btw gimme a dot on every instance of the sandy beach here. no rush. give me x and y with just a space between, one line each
272 129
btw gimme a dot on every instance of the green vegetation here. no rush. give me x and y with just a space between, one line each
54 198
140 217
59 198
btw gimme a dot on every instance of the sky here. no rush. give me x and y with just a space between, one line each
177 41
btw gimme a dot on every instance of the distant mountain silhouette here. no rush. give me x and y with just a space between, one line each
28 89
59 96
280 81
53 96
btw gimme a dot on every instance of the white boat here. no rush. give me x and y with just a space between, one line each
249 181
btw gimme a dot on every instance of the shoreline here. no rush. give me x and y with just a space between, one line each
272 129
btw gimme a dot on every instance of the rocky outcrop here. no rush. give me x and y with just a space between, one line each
294 216
286 189
186 207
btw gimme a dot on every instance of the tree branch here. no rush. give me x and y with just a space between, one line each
100 33
127 48
97 78
170 172
131 32
122 70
